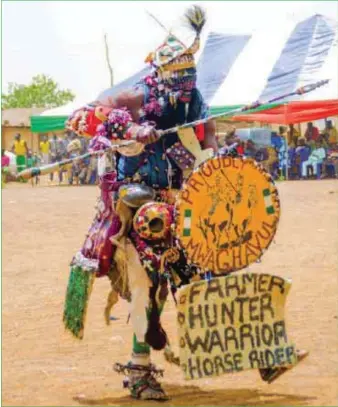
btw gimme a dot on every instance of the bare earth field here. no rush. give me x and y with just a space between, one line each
43 366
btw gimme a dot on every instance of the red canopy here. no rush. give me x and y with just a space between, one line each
294 112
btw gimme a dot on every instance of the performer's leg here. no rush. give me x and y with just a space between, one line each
142 348
142 383
141 353
141 379
141 373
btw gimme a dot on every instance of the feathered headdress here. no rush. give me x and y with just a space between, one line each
173 55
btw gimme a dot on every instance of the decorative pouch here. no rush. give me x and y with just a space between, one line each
181 156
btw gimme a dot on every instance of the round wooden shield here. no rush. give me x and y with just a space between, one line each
226 214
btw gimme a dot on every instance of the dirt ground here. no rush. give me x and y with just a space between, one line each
43 366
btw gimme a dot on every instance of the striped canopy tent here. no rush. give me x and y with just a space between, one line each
293 112
307 54
219 54
235 70
217 58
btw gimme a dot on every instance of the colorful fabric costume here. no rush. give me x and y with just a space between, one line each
130 240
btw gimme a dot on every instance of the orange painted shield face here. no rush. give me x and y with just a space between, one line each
227 214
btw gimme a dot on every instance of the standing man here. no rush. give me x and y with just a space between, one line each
20 149
311 133
92 170
331 133
56 151
282 131
293 136
45 150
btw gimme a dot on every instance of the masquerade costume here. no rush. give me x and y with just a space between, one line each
130 240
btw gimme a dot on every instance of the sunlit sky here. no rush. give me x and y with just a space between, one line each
65 39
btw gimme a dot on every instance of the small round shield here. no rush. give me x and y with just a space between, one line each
226 214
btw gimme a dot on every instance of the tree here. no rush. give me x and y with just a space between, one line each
41 92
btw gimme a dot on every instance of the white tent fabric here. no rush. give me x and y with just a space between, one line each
302 57
248 76
219 54
64 110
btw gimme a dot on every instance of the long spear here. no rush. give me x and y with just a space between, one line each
32 172
248 108
47 169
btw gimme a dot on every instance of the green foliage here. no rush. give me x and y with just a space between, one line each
41 92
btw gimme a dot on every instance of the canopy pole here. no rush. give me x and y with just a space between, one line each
286 142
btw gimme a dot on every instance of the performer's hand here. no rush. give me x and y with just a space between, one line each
147 135
98 143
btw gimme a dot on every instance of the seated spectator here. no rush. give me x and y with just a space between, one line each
250 149
331 133
330 164
240 148
231 137
4 167
270 164
301 145
229 140
316 157
323 139
4 159
261 155
302 153
310 143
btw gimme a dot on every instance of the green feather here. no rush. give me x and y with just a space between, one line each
78 292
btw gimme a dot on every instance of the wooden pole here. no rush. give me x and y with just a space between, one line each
110 69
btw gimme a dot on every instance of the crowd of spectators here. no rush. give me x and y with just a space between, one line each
314 155
52 150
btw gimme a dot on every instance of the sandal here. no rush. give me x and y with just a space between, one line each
141 381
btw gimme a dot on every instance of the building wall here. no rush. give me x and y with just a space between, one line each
32 139
8 135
